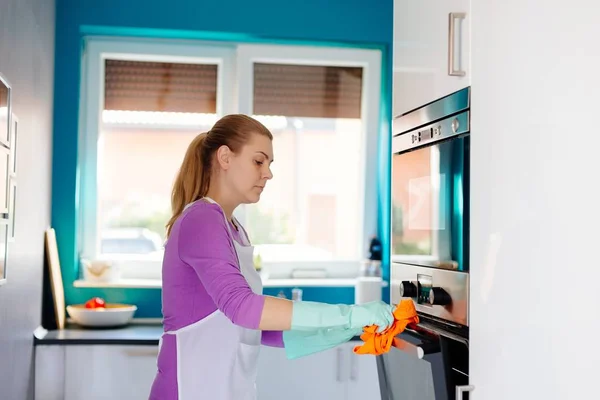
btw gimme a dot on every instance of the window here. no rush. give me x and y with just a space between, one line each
301 213
144 102
316 212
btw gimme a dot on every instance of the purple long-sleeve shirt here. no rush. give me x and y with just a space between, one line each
200 274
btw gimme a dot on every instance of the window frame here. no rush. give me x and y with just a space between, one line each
96 50
368 59
234 89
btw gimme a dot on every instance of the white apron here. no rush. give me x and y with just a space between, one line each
217 360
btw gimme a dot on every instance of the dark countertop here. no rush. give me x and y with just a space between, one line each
140 334
133 334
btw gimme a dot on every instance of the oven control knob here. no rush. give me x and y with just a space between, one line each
408 289
439 297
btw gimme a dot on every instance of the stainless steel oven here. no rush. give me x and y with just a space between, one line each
430 251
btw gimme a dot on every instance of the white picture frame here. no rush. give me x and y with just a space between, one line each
13 144
5 112
12 208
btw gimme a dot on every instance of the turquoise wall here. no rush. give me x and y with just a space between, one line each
351 23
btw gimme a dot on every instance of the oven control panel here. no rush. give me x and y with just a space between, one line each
439 293
423 291
425 283
427 294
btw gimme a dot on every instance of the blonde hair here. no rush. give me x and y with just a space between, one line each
193 179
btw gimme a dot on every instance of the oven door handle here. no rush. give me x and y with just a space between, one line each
427 344
408 348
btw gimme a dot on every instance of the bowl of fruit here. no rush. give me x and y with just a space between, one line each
96 312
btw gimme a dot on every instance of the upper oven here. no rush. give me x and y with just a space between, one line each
430 252
430 185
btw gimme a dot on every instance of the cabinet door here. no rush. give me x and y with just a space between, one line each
318 376
49 372
363 382
98 372
421 51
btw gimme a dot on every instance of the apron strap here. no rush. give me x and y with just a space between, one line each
243 232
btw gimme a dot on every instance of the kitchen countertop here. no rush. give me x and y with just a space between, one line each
135 333
132 334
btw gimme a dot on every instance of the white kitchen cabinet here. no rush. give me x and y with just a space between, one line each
534 205
336 374
98 372
422 51
49 382
363 381
94 372
312 377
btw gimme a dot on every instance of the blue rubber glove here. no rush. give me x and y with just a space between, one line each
302 343
309 316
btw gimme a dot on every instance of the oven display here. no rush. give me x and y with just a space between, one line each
425 284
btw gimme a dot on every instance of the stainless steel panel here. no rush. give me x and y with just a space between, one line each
455 283
435 329
446 106
441 130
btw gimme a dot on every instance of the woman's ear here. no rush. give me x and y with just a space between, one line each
224 156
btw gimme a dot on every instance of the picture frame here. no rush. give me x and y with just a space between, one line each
4 180
5 111
12 208
13 144
3 250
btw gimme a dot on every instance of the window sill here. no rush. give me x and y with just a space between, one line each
157 283
121 283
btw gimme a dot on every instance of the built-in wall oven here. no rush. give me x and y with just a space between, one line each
430 252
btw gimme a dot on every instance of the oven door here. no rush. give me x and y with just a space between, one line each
430 196
424 365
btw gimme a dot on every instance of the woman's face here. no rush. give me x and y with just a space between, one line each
250 168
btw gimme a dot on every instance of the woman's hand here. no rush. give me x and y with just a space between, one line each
373 313
308 315
282 315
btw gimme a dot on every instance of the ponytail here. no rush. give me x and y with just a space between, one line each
192 180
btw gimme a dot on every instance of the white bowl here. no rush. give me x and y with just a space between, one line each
109 316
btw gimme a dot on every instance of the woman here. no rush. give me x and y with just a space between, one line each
215 316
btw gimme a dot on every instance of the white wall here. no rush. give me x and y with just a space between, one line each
27 61
535 272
